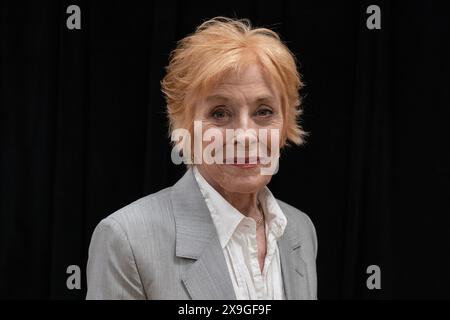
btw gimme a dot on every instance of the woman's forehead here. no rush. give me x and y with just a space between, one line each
250 80
252 74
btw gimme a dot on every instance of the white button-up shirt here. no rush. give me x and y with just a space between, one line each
237 236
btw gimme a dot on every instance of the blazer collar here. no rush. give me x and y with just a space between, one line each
196 238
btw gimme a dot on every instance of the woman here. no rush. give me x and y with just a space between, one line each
218 233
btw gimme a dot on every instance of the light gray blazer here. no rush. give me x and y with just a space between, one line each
165 246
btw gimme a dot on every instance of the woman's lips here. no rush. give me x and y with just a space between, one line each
244 163
245 166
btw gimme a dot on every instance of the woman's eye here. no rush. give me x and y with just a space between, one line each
264 112
219 114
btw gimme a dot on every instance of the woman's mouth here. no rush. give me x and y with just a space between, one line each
244 163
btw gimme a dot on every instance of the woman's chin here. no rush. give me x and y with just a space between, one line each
245 182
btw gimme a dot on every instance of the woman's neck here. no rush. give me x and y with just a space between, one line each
245 203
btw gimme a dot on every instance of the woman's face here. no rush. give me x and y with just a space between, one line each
247 102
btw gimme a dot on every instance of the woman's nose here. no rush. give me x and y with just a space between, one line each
244 121
245 131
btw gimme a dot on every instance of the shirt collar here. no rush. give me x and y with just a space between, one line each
227 218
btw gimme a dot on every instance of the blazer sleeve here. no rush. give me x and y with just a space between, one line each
111 269
314 236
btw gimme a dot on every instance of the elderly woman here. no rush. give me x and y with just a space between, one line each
218 233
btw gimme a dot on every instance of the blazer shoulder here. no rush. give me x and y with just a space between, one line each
151 210
303 224
292 212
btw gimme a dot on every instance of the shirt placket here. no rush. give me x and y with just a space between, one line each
257 275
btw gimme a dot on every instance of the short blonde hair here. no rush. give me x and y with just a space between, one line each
221 45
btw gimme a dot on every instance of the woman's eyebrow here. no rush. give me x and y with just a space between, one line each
261 98
265 98
217 97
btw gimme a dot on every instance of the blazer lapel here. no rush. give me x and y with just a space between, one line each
293 267
196 238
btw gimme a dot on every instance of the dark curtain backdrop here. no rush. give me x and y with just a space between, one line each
83 133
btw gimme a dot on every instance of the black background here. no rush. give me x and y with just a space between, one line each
83 133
